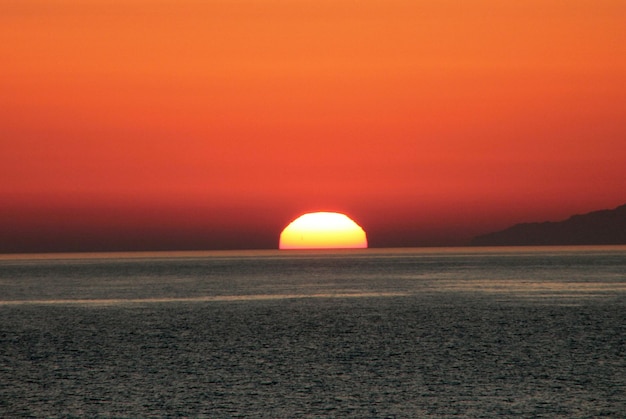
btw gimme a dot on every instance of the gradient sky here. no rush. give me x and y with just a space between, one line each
143 124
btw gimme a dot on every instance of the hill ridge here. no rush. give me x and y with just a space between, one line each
606 226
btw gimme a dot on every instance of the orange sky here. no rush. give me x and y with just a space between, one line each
212 124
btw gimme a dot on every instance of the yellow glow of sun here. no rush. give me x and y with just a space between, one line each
323 230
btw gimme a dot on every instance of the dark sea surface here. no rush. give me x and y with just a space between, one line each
375 333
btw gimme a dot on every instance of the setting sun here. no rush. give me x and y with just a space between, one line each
323 230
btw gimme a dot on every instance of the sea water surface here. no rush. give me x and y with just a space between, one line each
447 332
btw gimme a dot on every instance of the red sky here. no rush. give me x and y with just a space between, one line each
140 124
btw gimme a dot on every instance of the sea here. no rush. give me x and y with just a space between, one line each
369 333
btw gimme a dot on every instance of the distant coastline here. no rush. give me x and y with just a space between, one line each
597 227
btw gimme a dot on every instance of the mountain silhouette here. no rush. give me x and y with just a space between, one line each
598 227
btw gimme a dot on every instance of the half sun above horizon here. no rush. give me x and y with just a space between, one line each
323 230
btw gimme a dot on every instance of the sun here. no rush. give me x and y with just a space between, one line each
323 230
